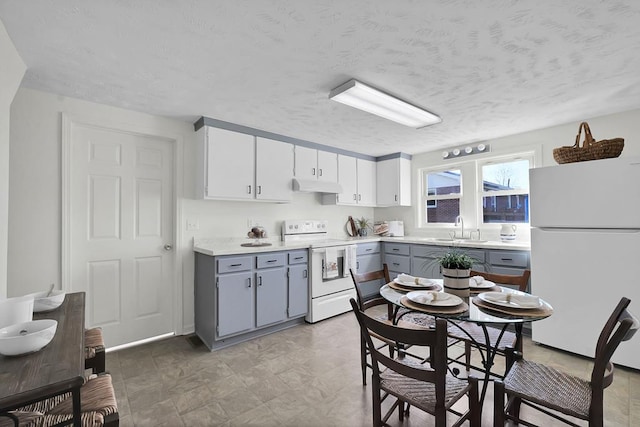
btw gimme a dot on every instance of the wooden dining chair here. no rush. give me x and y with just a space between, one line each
543 387
372 299
98 405
426 386
508 338
94 351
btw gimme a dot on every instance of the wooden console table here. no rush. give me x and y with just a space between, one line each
56 369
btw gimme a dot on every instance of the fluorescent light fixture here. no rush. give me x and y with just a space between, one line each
371 100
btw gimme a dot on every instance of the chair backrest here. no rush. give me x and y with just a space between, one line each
521 281
366 301
435 339
608 341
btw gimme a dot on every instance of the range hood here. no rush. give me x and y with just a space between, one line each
313 186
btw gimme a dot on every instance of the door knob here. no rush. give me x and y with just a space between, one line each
168 247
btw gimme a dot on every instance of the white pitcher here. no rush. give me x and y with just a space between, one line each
508 232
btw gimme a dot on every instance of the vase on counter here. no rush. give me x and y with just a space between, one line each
362 232
456 281
508 232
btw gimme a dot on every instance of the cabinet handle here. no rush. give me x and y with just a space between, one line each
298 257
395 249
259 280
235 265
359 197
319 172
304 274
506 259
248 189
354 196
357 265
396 197
259 189
272 260
249 282
368 250
313 171
395 263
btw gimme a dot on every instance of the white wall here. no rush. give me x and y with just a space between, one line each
11 74
35 194
625 125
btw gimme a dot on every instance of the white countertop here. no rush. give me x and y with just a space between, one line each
231 246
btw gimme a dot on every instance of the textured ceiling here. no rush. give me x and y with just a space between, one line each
489 68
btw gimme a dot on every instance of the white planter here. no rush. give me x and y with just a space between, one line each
456 281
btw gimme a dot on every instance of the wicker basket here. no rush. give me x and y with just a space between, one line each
590 150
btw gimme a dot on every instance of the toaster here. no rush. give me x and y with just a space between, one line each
396 228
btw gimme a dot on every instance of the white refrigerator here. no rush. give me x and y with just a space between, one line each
585 251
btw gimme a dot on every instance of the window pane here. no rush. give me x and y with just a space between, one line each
506 176
511 208
443 211
442 183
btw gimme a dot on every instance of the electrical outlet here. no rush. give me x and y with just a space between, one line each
193 224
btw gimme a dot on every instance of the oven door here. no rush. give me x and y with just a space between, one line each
321 286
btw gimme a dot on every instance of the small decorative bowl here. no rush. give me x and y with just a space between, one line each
42 301
27 337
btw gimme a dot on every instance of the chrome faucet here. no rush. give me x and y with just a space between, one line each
459 221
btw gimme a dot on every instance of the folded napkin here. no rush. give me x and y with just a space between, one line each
517 300
476 281
412 280
430 297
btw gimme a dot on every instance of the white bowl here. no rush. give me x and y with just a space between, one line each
16 310
42 302
27 337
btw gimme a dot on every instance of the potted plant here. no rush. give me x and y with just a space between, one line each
363 225
456 268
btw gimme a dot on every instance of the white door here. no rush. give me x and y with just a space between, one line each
121 233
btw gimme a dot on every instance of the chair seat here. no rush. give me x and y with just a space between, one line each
475 331
419 393
550 387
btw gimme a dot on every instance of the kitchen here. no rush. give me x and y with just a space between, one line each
31 231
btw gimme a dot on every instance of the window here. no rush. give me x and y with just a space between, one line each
441 195
505 190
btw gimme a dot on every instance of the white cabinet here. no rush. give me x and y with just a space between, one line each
274 170
366 182
238 166
316 164
394 182
358 180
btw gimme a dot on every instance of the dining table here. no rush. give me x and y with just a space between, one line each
473 309
56 369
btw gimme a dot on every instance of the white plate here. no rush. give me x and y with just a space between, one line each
442 299
421 283
504 299
486 284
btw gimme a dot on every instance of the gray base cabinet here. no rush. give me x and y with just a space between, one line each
241 297
369 258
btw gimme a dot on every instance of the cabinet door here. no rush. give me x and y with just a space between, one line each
274 170
327 166
348 178
229 168
306 162
387 185
366 171
271 296
298 290
234 301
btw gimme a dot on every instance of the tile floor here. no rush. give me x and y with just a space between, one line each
308 375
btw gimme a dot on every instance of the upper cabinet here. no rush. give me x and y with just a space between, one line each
358 180
238 166
394 182
316 164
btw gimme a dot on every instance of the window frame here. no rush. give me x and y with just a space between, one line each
424 198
